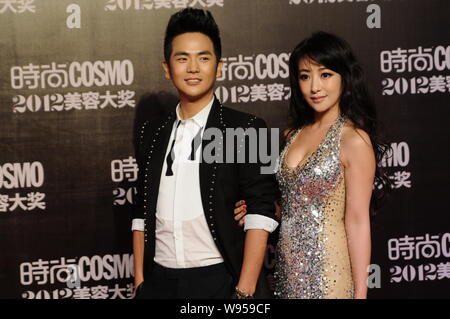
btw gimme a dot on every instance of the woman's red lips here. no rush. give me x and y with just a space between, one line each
317 99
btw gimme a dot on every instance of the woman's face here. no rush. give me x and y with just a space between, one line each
321 87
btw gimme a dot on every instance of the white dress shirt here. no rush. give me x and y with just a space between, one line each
183 239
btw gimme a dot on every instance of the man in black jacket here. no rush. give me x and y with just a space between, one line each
186 241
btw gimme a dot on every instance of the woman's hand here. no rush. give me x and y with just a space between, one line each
240 211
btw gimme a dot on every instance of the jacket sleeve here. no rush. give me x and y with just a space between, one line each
257 187
138 206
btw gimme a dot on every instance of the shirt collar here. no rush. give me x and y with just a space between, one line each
201 117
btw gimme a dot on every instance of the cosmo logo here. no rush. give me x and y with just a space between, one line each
397 155
74 74
73 271
261 66
21 175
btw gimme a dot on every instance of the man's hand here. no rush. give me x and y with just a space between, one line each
138 253
137 282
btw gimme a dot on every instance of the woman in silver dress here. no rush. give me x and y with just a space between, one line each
326 175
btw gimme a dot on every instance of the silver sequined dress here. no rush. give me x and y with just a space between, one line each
312 253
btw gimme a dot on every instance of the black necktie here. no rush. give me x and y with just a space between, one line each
171 156
195 144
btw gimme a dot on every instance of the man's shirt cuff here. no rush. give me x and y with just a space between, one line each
138 224
255 221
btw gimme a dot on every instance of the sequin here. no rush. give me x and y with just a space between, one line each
312 253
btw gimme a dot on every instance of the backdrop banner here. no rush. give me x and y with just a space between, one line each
78 76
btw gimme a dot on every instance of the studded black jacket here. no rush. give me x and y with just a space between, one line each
221 184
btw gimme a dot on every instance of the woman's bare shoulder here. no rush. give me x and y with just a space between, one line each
354 137
355 144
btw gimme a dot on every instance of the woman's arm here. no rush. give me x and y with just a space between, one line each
359 168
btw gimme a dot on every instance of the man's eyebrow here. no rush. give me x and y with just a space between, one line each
186 53
204 52
180 53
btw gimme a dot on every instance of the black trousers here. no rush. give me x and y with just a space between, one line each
209 282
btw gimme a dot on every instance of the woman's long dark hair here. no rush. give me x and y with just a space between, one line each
355 102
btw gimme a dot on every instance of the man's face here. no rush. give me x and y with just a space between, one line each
193 66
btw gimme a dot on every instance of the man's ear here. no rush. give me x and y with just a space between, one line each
219 69
166 69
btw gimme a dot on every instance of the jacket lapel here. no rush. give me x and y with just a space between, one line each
157 152
207 171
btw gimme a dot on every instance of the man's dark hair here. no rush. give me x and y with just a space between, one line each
192 20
